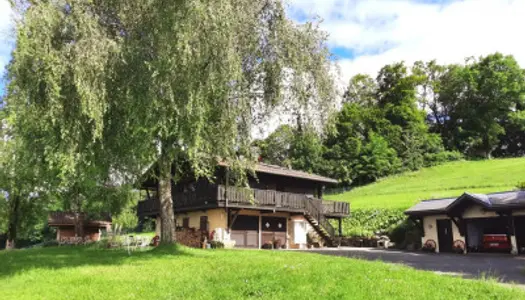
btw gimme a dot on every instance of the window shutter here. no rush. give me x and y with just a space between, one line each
186 222
204 223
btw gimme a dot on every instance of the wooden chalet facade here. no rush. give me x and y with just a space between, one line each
280 206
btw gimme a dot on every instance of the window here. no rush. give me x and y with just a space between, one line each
186 222
204 223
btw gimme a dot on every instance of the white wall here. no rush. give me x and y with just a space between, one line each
430 225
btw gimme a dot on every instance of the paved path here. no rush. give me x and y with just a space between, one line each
505 267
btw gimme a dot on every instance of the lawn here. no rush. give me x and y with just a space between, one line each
177 273
448 180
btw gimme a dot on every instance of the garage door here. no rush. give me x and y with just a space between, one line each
480 231
245 231
274 229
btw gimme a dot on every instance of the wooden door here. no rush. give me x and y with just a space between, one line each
245 231
445 239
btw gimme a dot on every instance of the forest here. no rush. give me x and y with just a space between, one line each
409 117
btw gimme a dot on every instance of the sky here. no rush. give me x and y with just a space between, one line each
5 39
366 35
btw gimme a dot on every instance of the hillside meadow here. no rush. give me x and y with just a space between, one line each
447 180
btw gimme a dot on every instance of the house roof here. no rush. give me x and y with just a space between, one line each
59 218
495 201
282 171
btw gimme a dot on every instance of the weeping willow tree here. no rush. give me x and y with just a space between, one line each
121 85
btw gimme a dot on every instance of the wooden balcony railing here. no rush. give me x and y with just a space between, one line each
233 195
148 207
335 208
220 195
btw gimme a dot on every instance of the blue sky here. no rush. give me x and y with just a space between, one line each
367 34
5 39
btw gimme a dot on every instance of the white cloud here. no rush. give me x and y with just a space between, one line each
386 31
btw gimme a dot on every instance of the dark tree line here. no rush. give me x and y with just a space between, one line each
411 117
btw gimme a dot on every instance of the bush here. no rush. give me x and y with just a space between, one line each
405 234
370 222
434 159
521 185
216 245
50 243
365 225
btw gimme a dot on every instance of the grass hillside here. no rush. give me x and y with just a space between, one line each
171 273
451 179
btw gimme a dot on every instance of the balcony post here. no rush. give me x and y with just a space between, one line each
260 231
340 227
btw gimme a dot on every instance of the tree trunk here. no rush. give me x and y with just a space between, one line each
487 148
167 226
79 224
13 223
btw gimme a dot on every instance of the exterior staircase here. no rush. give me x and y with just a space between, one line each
316 217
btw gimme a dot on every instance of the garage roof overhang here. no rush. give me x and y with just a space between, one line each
500 202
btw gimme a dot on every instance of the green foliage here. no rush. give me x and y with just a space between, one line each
361 90
275 149
217 245
371 222
127 218
406 233
307 151
434 159
448 180
301 149
179 272
384 136
105 89
521 185
376 160
476 106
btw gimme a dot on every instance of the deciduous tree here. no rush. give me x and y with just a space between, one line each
120 85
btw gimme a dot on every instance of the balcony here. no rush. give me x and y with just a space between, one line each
231 196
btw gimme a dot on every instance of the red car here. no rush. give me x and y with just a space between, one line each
496 242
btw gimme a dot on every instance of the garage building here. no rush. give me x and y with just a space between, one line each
473 222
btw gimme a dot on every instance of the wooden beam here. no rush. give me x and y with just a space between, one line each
340 227
235 214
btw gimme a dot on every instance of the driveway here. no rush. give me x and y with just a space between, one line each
505 267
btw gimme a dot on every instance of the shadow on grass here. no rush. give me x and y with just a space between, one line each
18 261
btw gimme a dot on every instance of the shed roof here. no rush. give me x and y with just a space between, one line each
59 218
500 200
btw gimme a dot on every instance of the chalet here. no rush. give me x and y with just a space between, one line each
280 206
473 222
64 222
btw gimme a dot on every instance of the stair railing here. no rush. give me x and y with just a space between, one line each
315 209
